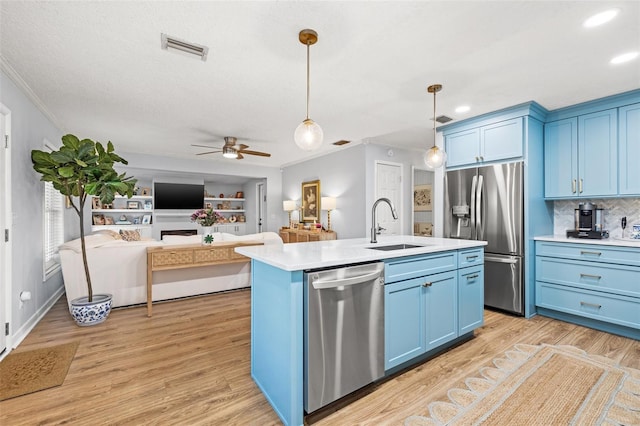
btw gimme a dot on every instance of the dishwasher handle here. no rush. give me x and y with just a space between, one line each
322 285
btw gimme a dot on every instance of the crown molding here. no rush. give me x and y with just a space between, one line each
6 67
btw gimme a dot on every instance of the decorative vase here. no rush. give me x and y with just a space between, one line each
207 234
91 313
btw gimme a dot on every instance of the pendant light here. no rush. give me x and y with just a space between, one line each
308 134
435 157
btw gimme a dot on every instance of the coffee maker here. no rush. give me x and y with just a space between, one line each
589 221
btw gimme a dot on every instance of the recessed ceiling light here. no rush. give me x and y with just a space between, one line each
625 57
600 18
462 109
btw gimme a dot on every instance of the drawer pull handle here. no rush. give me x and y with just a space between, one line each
173 252
472 277
472 257
597 277
593 305
597 253
427 284
580 186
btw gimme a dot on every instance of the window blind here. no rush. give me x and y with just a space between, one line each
53 228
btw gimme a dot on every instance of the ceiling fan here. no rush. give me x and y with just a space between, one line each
230 150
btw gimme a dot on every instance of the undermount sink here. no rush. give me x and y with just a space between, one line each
395 247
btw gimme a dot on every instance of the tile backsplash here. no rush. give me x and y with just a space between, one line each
614 210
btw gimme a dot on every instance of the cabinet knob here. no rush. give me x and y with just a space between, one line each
427 284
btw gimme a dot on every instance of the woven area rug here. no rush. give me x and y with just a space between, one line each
30 371
542 385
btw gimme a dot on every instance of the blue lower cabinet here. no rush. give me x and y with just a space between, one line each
441 304
420 314
403 322
470 299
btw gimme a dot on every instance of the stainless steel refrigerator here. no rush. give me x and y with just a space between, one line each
486 203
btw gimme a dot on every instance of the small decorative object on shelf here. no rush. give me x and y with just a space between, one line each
146 191
206 218
239 194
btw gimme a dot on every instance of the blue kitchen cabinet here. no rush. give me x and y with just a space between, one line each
441 306
598 153
470 299
629 149
493 142
581 156
404 322
561 158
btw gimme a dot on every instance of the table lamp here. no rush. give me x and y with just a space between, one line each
289 206
328 204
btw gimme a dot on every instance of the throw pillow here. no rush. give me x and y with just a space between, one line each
113 234
130 235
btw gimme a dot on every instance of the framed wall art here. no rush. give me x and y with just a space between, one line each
422 198
311 201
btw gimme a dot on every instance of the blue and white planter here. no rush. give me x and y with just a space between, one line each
91 313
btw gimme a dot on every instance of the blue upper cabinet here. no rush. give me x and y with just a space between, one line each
598 154
494 142
561 158
629 149
591 149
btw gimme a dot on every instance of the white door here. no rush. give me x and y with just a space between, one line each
389 185
261 209
5 312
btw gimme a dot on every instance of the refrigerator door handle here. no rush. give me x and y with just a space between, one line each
512 260
474 183
478 206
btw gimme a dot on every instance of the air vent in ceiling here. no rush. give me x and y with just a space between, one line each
184 46
443 119
341 142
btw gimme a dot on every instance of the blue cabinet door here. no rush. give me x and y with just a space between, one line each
403 321
629 146
561 158
470 299
501 141
598 153
463 148
441 305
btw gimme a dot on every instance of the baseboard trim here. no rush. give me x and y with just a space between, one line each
26 328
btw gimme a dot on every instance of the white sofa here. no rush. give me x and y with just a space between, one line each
119 268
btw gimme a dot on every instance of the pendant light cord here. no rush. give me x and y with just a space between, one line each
307 79
434 118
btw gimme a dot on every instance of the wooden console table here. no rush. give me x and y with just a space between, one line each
289 235
191 256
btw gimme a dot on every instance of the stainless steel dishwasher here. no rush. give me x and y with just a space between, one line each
343 331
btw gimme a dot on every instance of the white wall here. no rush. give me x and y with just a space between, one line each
29 127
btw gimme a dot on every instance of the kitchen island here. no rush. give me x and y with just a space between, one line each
433 299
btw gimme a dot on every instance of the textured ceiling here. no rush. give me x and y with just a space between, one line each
98 69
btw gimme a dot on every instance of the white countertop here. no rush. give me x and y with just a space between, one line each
611 241
321 254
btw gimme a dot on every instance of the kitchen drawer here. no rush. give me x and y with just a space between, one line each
611 278
172 258
405 268
614 309
590 252
213 254
471 257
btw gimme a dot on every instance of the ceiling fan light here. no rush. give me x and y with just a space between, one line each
435 157
228 152
308 135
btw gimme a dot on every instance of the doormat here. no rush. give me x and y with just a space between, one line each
545 385
37 369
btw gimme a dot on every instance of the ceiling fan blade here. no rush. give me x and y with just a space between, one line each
208 152
239 157
242 147
261 154
205 146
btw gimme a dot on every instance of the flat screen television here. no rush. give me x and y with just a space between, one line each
177 196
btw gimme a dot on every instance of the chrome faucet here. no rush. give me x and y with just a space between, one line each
375 229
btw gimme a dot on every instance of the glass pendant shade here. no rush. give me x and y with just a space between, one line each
308 135
435 157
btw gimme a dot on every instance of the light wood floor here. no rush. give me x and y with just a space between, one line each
189 365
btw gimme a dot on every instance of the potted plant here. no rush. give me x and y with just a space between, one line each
82 168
